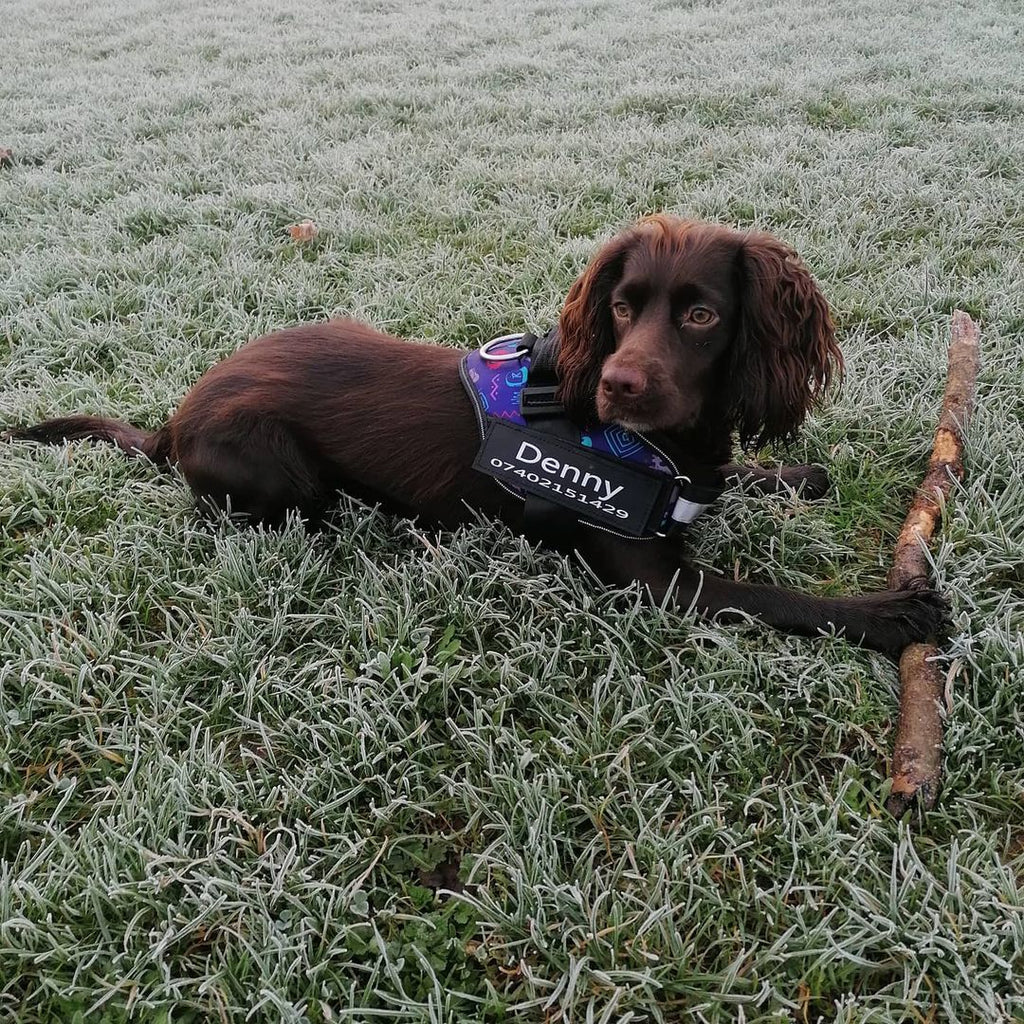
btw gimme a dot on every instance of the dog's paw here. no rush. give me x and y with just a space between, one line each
809 481
902 617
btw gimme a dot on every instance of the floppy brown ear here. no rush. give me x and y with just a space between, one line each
585 326
786 352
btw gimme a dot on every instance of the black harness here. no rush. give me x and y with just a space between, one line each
606 477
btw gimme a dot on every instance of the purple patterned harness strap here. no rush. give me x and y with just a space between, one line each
579 471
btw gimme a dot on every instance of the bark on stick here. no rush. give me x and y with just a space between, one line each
917 758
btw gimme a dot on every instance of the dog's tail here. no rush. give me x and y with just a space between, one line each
155 446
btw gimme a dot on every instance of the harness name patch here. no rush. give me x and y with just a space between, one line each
624 496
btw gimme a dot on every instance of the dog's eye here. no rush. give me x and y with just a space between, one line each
701 316
621 310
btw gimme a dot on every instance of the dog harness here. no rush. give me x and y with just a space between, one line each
604 476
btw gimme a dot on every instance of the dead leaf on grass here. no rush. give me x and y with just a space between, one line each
305 231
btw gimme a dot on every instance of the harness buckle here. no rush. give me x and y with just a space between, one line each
690 501
539 400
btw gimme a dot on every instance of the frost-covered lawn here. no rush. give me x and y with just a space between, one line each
239 769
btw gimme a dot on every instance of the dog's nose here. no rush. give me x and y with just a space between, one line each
623 383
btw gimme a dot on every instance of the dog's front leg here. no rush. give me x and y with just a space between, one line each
886 621
809 481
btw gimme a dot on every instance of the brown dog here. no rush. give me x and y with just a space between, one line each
689 329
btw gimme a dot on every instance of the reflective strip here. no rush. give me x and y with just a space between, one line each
686 511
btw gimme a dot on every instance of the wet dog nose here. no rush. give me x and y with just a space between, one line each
623 383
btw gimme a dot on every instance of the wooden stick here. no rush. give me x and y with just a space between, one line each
917 757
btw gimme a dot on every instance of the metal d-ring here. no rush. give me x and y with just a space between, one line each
518 353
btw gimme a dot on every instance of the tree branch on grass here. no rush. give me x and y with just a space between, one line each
917 757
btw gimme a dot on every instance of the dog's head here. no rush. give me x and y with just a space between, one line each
674 321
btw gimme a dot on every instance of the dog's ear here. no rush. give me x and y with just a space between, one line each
585 326
786 353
